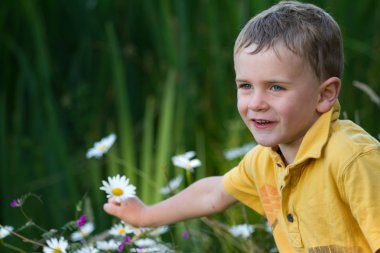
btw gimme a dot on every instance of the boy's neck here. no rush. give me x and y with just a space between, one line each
288 152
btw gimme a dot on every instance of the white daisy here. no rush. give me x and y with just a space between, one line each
101 147
56 246
145 243
172 185
237 152
183 161
141 231
83 232
87 249
159 231
151 249
268 228
121 229
243 230
119 188
107 245
5 231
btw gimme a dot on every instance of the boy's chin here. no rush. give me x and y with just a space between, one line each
267 144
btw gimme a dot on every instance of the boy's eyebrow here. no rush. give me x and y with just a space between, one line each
240 80
277 81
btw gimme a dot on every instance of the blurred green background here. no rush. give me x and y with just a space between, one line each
157 73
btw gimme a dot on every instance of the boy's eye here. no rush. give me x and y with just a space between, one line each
245 86
276 87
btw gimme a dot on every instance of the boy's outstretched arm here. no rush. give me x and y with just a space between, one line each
202 198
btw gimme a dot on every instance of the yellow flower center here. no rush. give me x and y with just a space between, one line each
102 147
117 191
121 231
57 250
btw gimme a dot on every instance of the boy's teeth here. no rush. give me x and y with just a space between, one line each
262 121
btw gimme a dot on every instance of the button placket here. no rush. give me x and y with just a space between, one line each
281 173
288 201
290 218
293 230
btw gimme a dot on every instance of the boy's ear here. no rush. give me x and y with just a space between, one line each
328 94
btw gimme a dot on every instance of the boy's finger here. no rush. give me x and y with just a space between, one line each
112 208
113 201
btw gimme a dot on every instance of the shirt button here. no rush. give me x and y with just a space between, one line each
279 165
290 217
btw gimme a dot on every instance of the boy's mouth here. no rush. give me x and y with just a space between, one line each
262 123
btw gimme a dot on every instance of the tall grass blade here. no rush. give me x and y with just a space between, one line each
58 158
165 130
147 153
367 90
4 171
167 30
125 130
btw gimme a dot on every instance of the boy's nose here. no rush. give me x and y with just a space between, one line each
257 102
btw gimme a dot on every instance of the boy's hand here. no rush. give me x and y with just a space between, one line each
204 197
130 210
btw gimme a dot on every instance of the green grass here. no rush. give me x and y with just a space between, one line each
157 73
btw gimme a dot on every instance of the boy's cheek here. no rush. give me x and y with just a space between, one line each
242 107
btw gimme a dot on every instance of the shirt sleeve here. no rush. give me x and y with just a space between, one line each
361 187
239 183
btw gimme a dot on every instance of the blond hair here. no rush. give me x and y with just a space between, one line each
305 29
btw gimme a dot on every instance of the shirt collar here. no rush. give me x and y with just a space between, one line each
315 138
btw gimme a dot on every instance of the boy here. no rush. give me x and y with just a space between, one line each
313 176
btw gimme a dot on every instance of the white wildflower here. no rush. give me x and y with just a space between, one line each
101 147
119 188
237 152
155 248
145 243
107 245
5 231
83 232
121 229
141 230
87 249
184 161
159 231
172 185
158 248
268 228
55 245
243 230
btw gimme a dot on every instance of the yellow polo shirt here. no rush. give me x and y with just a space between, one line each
327 200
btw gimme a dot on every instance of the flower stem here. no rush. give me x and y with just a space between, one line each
25 239
38 227
134 170
9 246
188 177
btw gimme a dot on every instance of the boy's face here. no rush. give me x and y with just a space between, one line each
277 96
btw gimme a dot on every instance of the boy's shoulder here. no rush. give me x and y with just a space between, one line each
348 141
347 135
